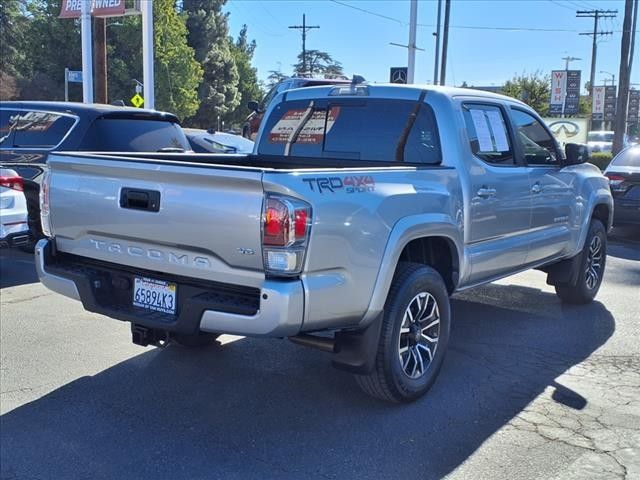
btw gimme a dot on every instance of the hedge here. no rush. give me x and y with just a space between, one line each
601 159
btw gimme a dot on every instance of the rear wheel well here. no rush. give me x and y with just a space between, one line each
601 212
439 253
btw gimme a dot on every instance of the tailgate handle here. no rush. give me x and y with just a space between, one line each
137 199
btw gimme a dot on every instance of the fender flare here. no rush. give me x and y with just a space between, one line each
404 231
601 197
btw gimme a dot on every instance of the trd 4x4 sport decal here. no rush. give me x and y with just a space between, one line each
348 184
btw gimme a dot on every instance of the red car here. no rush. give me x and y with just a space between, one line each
252 122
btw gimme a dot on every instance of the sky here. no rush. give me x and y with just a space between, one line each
358 33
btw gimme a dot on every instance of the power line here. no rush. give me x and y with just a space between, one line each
508 29
375 14
558 4
472 27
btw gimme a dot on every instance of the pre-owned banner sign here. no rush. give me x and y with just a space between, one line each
597 109
610 102
99 8
572 99
558 91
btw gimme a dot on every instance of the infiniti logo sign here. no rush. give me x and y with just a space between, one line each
151 254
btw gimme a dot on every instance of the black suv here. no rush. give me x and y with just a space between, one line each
29 131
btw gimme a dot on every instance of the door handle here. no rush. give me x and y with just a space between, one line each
136 199
536 188
485 192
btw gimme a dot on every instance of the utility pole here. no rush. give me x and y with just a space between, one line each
613 78
147 55
445 41
411 61
304 27
87 70
626 62
100 58
596 15
437 35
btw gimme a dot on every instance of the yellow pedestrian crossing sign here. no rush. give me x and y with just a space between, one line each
137 100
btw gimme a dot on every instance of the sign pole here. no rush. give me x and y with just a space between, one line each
147 54
66 84
413 19
87 57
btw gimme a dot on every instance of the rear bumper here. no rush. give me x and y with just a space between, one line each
16 239
274 310
626 212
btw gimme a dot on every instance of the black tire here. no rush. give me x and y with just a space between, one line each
200 339
388 381
30 248
585 289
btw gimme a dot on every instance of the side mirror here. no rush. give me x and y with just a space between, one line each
576 153
253 106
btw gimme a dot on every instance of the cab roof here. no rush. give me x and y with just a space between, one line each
400 91
91 110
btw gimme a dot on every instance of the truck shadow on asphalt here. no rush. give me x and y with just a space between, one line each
266 408
16 268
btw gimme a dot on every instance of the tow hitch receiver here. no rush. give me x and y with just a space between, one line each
144 336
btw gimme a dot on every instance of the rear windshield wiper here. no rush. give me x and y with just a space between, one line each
303 121
411 120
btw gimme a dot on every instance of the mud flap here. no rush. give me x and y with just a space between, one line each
564 272
355 350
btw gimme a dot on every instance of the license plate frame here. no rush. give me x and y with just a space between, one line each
155 295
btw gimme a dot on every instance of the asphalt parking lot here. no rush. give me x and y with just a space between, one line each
530 389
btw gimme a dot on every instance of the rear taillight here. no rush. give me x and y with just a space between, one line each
286 224
45 214
616 181
12 182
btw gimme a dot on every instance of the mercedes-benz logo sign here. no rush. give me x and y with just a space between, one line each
399 76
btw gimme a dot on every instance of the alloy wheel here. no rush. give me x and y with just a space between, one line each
419 335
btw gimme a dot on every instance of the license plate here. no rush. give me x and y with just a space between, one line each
156 295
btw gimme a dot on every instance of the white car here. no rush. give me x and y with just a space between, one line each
602 141
14 229
204 141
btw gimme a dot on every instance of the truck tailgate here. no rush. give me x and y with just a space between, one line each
193 220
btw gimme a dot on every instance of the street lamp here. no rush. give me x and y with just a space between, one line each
613 77
569 59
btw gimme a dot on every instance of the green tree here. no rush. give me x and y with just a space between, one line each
208 36
12 23
124 57
533 89
275 77
50 44
317 62
248 86
177 73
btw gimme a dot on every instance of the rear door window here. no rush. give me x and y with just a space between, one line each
358 129
35 129
134 135
488 134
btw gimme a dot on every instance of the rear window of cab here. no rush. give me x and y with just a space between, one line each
353 129
33 129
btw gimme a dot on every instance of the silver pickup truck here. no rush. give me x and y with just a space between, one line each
361 210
